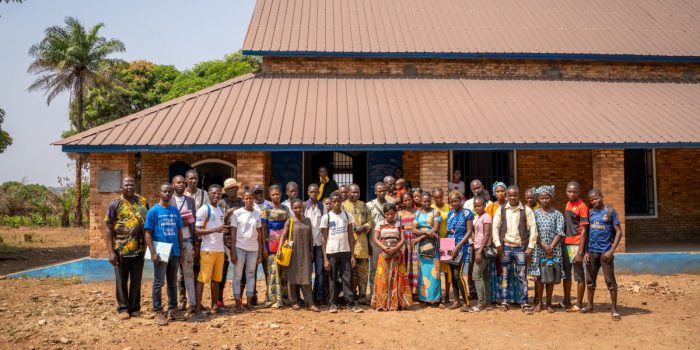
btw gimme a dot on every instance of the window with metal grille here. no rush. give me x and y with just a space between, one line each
487 166
639 182
342 168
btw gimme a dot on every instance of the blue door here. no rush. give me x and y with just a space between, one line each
379 165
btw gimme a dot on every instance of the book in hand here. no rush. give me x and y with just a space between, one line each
447 245
162 251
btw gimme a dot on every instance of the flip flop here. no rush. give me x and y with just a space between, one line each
616 316
574 308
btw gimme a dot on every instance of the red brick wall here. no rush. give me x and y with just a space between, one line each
123 162
427 169
677 184
485 68
536 168
609 176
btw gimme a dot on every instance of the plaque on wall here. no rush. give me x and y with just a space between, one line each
109 181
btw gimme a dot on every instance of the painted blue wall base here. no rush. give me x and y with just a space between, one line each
93 270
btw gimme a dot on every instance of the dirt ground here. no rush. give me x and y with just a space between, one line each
30 247
657 312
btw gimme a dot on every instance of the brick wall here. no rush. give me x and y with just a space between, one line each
486 68
123 162
677 184
536 168
434 169
608 169
411 167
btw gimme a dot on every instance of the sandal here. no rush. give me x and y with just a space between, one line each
475 309
616 316
574 308
503 306
550 309
455 305
526 309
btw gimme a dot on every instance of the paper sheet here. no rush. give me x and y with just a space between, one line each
162 250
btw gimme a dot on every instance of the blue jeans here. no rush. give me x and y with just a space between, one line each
165 271
517 254
319 276
249 261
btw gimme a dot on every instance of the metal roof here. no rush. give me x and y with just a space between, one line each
575 29
298 112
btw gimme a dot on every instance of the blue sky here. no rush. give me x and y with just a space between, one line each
175 32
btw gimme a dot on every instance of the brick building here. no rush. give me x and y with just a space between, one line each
526 92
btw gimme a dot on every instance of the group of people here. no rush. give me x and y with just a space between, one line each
390 253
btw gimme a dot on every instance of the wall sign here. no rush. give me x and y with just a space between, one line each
109 181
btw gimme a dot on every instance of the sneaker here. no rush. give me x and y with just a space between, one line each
356 309
161 319
220 305
199 317
123 315
248 306
136 314
334 309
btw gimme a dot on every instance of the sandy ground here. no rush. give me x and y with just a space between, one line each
657 312
47 246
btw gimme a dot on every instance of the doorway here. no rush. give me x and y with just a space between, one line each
344 167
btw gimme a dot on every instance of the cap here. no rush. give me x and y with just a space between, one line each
258 187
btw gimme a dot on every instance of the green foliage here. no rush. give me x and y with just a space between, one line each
33 205
5 139
141 84
28 237
209 73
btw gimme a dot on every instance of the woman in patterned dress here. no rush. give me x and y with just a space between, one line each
406 217
427 222
273 217
391 289
550 227
499 190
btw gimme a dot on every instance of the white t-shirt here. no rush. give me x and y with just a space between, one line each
213 242
337 231
247 223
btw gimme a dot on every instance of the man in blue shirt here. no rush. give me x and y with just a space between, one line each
604 235
164 224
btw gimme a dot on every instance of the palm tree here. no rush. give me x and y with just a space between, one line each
72 59
5 139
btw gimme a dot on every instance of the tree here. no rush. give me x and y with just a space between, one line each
5 139
142 84
209 73
72 59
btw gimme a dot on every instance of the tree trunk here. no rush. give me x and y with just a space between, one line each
79 159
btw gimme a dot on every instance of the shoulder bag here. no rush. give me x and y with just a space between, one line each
286 250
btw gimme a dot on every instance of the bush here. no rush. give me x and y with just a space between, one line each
28 237
32 220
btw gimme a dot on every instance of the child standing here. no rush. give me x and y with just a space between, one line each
482 239
459 227
602 244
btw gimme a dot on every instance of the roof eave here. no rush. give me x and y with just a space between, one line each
483 55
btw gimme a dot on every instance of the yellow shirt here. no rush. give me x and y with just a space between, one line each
362 217
443 224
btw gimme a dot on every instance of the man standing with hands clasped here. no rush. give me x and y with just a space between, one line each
210 226
164 225
124 237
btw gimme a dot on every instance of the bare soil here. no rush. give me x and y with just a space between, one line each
29 247
657 312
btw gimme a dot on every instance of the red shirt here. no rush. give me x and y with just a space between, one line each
575 218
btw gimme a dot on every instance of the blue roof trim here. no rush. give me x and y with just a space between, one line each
483 55
403 147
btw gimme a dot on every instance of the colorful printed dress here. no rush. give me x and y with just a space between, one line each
549 226
410 249
429 288
274 218
391 288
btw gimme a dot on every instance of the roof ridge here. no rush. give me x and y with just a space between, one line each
150 110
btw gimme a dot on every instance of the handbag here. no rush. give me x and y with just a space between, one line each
286 250
457 260
490 252
550 271
428 247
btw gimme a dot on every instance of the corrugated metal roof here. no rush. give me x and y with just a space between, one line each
460 28
293 112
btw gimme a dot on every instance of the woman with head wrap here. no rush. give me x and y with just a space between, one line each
550 227
499 190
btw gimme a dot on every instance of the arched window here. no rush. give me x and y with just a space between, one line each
214 171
